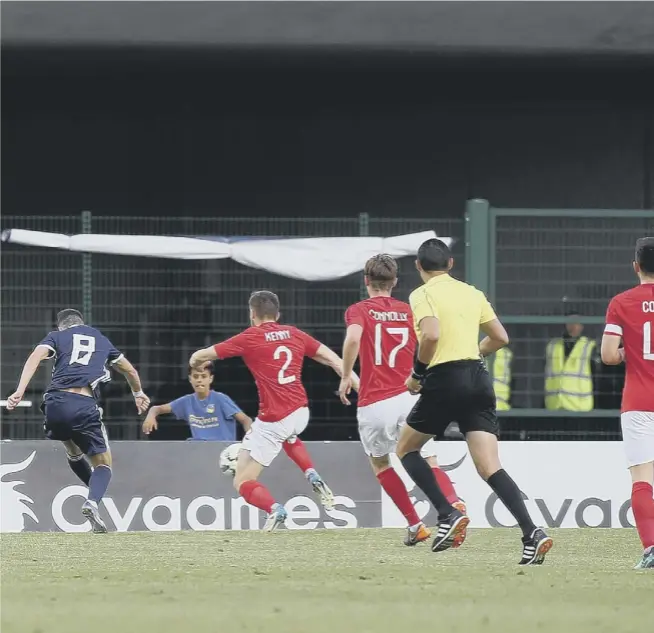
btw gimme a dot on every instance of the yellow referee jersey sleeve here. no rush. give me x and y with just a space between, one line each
422 306
487 312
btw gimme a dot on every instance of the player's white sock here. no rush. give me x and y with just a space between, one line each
310 471
414 528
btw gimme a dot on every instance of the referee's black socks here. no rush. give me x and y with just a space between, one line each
421 472
509 494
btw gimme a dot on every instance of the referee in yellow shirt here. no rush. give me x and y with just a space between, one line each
455 386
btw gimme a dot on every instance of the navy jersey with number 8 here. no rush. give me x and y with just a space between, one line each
81 356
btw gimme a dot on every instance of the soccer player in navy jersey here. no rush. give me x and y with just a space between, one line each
81 355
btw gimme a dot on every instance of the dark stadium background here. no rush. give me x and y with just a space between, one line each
209 129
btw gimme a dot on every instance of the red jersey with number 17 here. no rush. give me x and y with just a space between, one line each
631 316
274 355
387 346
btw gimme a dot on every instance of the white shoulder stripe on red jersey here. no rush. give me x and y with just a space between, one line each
613 329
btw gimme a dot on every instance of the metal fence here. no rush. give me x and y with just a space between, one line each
538 267
535 266
158 311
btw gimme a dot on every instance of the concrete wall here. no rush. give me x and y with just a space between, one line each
447 27
258 135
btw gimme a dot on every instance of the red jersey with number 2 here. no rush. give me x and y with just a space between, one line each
274 355
387 347
631 316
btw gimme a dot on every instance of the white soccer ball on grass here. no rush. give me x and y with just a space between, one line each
228 459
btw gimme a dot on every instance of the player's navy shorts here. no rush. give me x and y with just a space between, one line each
71 416
460 391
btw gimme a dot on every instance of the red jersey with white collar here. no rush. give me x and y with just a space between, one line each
631 316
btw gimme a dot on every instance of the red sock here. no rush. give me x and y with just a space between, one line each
445 484
257 495
642 503
297 451
390 481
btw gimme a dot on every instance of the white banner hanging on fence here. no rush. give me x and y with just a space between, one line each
136 245
309 259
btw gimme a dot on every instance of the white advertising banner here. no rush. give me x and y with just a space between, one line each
565 484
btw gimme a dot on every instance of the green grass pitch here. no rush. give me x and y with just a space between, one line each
343 581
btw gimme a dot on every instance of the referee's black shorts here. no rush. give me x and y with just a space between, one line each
460 391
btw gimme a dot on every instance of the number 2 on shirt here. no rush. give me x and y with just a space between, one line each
83 348
402 331
282 378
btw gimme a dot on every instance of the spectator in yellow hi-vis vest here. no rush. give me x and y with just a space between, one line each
502 380
569 369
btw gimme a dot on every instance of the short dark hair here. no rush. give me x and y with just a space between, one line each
265 304
645 254
434 255
381 271
208 367
69 317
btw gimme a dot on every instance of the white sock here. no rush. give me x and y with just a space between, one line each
414 528
310 471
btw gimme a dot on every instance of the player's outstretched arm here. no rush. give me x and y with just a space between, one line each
40 353
124 367
496 337
610 350
151 423
351 348
202 357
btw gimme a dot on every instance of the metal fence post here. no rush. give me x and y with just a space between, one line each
364 231
478 264
477 232
87 273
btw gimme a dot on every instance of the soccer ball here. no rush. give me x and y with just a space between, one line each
228 459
